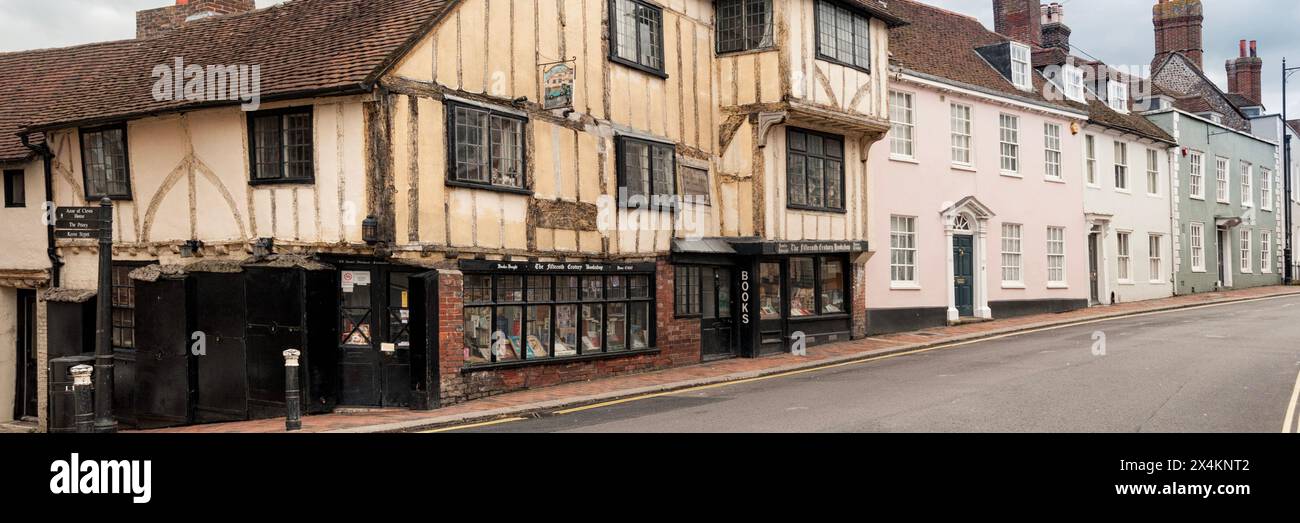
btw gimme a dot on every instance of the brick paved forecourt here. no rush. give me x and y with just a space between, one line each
608 389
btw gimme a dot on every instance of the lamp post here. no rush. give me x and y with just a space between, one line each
1287 185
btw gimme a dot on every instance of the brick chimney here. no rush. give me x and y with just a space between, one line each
1019 20
1055 33
1245 73
153 22
1178 25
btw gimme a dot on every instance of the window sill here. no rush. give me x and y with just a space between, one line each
837 61
493 188
1155 195
743 52
817 209
1014 286
556 361
1157 282
643 68
1127 283
1010 174
1195 197
904 286
1050 179
821 317
904 159
1123 191
1199 271
964 167
1058 286
281 181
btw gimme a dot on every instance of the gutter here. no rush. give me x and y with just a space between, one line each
43 150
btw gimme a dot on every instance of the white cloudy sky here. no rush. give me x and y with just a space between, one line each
1117 31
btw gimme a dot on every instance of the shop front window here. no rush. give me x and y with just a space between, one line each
803 283
769 291
518 318
832 287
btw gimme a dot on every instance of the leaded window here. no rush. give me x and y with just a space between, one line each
744 25
815 171
486 147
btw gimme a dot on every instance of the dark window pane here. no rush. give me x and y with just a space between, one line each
815 171
832 287
593 326
566 288
478 335
539 333
640 286
617 325
539 288
478 289
566 331
510 289
616 287
506 339
802 287
592 288
769 290
639 325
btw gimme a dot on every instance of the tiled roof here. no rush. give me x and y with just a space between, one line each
941 43
1294 125
303 48
1101 114
880 9
1241 101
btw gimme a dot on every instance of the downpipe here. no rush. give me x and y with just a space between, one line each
47 156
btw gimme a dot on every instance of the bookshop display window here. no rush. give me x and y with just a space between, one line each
817 287
513 318
769 290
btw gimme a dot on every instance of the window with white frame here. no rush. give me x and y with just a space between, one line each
901 116
1020 66
1056 256
1153 172
1010 138
1196 175
902 246
1223 177
1117 97
1121 165
1090 155
1012 254
1247 191
1124 257
1247 258
1052 150
962 135
1265 189
1196 237
1072 77
1156 258
1265 252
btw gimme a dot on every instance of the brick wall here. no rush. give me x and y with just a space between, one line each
678 343
1178 28
153 22
859 310
1020 20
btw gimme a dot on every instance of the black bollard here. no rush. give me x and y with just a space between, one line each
292 393
84 401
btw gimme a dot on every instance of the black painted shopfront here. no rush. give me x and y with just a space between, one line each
755 298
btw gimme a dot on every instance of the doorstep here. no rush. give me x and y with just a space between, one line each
663 381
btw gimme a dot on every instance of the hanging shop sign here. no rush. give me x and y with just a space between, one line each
555 267
557 85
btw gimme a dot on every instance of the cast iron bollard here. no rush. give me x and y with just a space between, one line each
84 402
292 395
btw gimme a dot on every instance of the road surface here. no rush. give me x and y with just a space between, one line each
1228 368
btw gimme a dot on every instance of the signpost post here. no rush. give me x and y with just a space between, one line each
87 223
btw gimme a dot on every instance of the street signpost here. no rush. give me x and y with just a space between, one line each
89 223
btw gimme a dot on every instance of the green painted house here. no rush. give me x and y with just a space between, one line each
1228 214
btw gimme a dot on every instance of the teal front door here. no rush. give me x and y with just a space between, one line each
963 263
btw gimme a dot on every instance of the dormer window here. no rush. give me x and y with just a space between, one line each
1072 80
1117 95
1021 67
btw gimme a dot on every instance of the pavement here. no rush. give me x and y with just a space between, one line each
1001 376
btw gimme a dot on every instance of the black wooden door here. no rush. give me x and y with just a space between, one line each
717 328
25 394
275 323
221 373
1093 272
358 350
375 341
162 367
963 262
